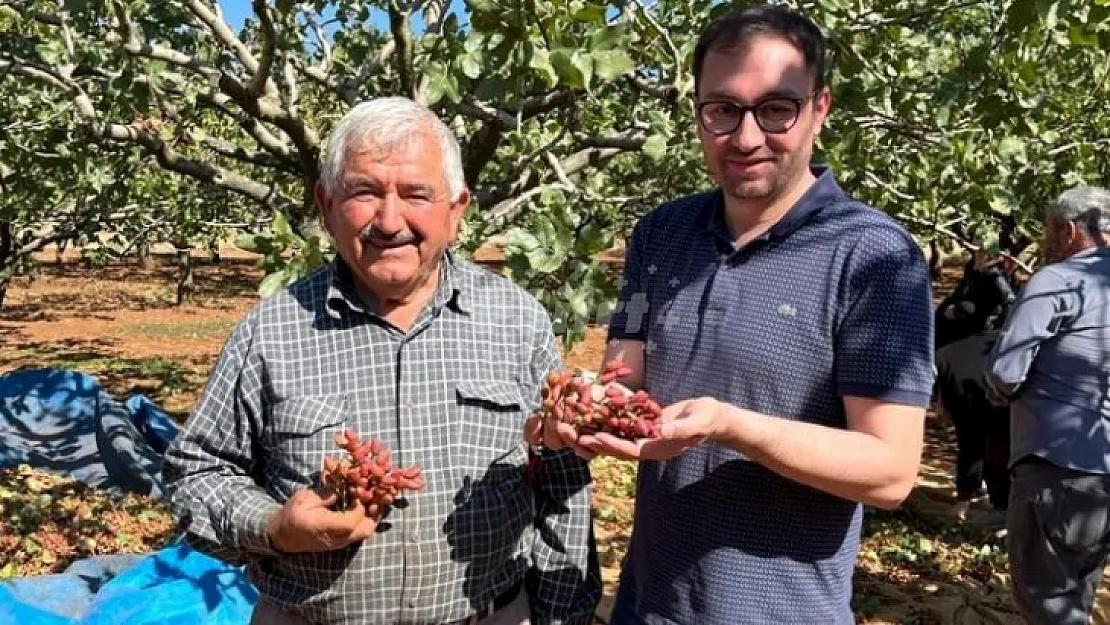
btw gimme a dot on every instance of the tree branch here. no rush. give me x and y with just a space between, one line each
402 37
255 128
31 14
269 42
253 157
166 156
171 160
930 13
220 30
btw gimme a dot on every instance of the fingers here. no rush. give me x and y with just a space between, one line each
608 445
533 429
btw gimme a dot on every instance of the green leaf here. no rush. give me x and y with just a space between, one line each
610 37
470 66
281 226
1080 36
572 68
655 147
520 240
591 13
611 64
1011 147
272 284
246 242
579 306
541 62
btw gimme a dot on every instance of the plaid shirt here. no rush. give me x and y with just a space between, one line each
450 395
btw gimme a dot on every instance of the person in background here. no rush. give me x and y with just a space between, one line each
399 339
1051 364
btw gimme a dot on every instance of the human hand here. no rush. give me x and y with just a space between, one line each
553 434
306 523
683 425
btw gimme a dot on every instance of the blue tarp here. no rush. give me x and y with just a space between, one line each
63 421
176 585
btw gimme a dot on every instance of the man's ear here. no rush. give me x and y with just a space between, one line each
822 103
323 202
456 211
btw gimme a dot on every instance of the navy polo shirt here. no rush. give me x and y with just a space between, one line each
834 300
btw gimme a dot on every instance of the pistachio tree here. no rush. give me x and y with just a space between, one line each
576 116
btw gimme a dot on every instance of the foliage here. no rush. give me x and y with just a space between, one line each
575 117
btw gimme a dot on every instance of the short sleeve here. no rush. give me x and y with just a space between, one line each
629 319
884 342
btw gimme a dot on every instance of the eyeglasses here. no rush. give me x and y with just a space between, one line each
773 115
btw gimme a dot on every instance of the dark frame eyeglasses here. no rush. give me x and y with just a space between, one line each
773 115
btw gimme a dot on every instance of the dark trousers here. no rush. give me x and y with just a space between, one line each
1059 537
982 454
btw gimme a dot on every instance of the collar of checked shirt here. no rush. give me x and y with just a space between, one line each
342 294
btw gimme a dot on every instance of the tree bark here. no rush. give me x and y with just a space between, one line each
185 284
142 252
7 259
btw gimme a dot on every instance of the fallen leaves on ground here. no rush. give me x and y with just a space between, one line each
47 521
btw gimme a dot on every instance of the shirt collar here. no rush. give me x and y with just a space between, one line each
341 291
821 193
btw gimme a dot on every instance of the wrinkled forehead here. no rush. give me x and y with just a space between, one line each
413 147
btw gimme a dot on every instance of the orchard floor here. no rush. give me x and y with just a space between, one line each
120 323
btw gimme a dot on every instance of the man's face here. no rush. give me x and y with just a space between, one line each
751 164
1057 239
391 215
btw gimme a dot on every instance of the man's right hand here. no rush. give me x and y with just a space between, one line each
553 434
305 523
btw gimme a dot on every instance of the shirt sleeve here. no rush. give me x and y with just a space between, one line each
1046 305
884 342
208 468
564 584
630 320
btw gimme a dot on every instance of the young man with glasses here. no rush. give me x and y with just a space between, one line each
787 330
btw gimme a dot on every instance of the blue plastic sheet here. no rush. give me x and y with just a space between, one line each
64 422
174 586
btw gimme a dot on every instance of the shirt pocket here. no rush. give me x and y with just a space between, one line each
300 434
488 421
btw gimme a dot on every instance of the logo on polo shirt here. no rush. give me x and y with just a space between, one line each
787 310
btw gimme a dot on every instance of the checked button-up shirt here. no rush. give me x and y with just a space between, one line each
450 395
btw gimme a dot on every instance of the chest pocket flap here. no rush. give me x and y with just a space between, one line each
490 394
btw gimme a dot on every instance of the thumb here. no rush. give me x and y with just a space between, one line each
679 428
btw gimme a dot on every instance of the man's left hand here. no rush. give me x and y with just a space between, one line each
683 425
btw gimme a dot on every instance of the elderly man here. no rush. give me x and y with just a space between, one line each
401 340
1052 364
787 329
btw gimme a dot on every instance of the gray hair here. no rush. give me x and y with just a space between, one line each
383 123
1089 206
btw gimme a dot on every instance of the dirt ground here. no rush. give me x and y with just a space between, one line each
120 323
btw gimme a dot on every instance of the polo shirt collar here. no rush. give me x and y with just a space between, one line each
821 193
341 291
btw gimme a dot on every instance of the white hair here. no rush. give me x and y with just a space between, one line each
383 123
1089 206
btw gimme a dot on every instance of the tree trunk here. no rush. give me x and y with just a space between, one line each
934 259
7 259
185 285
142 252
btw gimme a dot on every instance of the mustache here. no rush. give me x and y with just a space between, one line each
374 236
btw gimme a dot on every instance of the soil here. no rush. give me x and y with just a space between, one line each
120 323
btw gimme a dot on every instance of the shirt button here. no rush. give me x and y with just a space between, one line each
414 538
412 604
